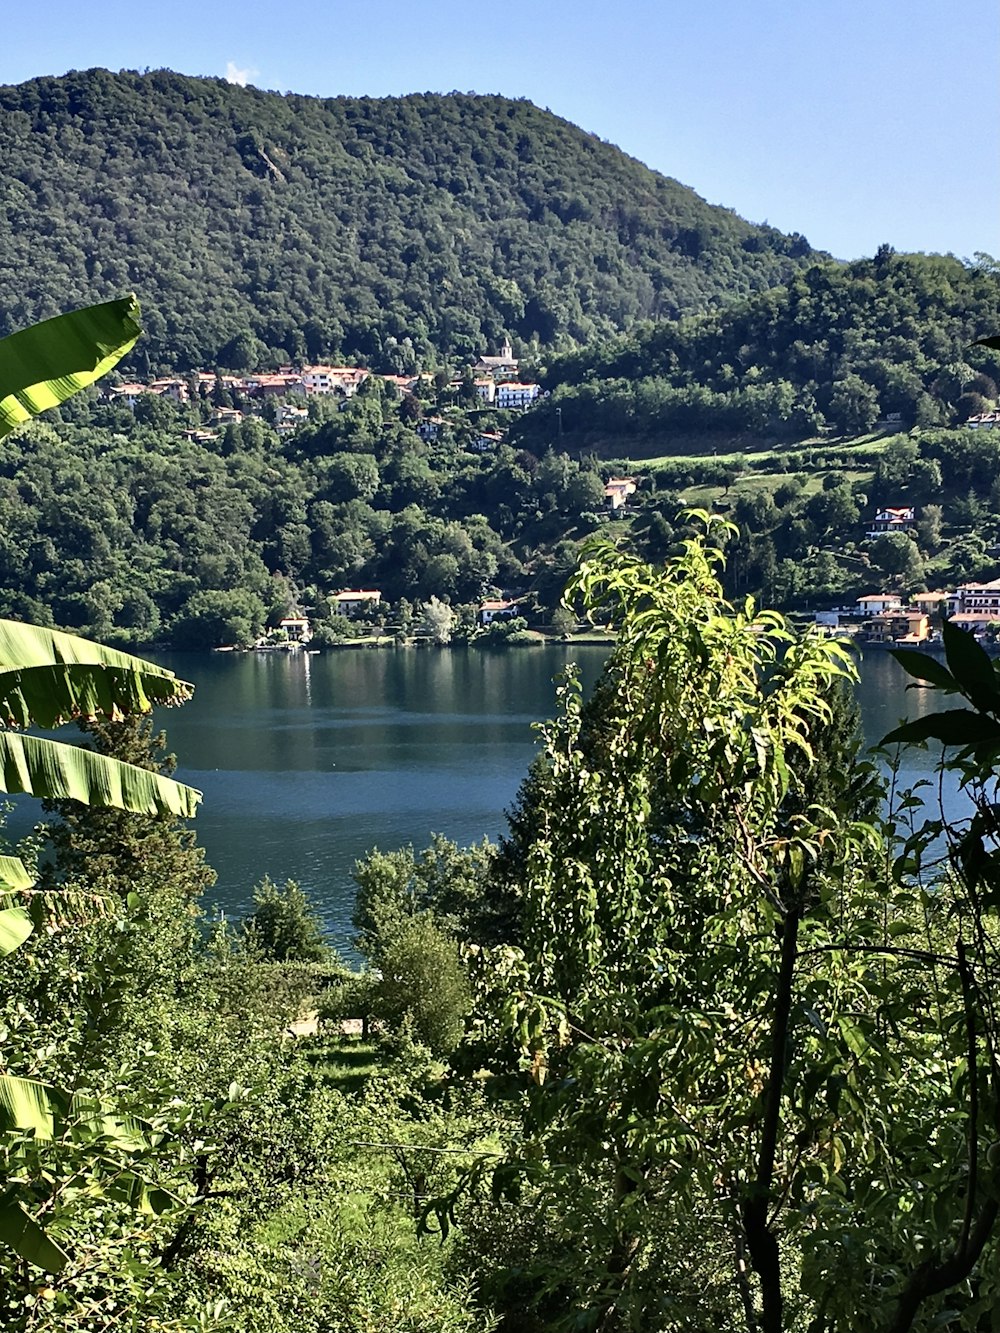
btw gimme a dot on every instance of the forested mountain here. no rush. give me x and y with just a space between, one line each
255 226
838 346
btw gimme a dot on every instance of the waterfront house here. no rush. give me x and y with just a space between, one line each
976 622
297 628
978 598
496 609
352 600
898 627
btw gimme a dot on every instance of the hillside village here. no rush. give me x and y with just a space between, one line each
476 410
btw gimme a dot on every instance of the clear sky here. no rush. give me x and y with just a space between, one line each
852 121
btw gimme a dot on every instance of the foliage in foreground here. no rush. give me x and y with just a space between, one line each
757 1081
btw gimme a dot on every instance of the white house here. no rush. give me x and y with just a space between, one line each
486 390
352 600
892 520
496 609
877 603
297 628
617 491
517 397
984 421
973 621
975 598
333 379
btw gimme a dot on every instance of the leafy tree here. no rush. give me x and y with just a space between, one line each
897 555
284 926
708 956
422 978
437 620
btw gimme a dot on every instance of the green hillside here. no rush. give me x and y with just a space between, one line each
259 226
839 347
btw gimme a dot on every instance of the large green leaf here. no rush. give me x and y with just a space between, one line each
13 874
15 927
47 676
956 726
50 695
142 1196
89 1119
25 1237
58 771
42 366
971 666
27 1104
925 668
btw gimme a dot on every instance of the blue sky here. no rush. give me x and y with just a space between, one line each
854 123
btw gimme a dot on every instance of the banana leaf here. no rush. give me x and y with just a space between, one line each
30 646
15 927
54 770
13 874
47 696
29 1105
90 1119
142 1196
42 366
26 1238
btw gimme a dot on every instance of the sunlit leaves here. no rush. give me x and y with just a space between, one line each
42 366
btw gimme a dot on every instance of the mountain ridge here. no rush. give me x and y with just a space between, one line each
264 225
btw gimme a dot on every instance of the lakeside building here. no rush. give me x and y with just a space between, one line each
352 600
976 598
297 628
898 627
497 609
976 622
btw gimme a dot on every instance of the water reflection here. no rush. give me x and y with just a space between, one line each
308 762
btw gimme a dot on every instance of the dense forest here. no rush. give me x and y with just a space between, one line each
839 346
128 530
257 227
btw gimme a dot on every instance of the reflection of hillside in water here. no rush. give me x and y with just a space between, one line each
885 701
307 763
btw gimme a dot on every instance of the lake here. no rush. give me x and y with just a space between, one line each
307 762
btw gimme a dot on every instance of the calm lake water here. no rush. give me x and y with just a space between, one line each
307 762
